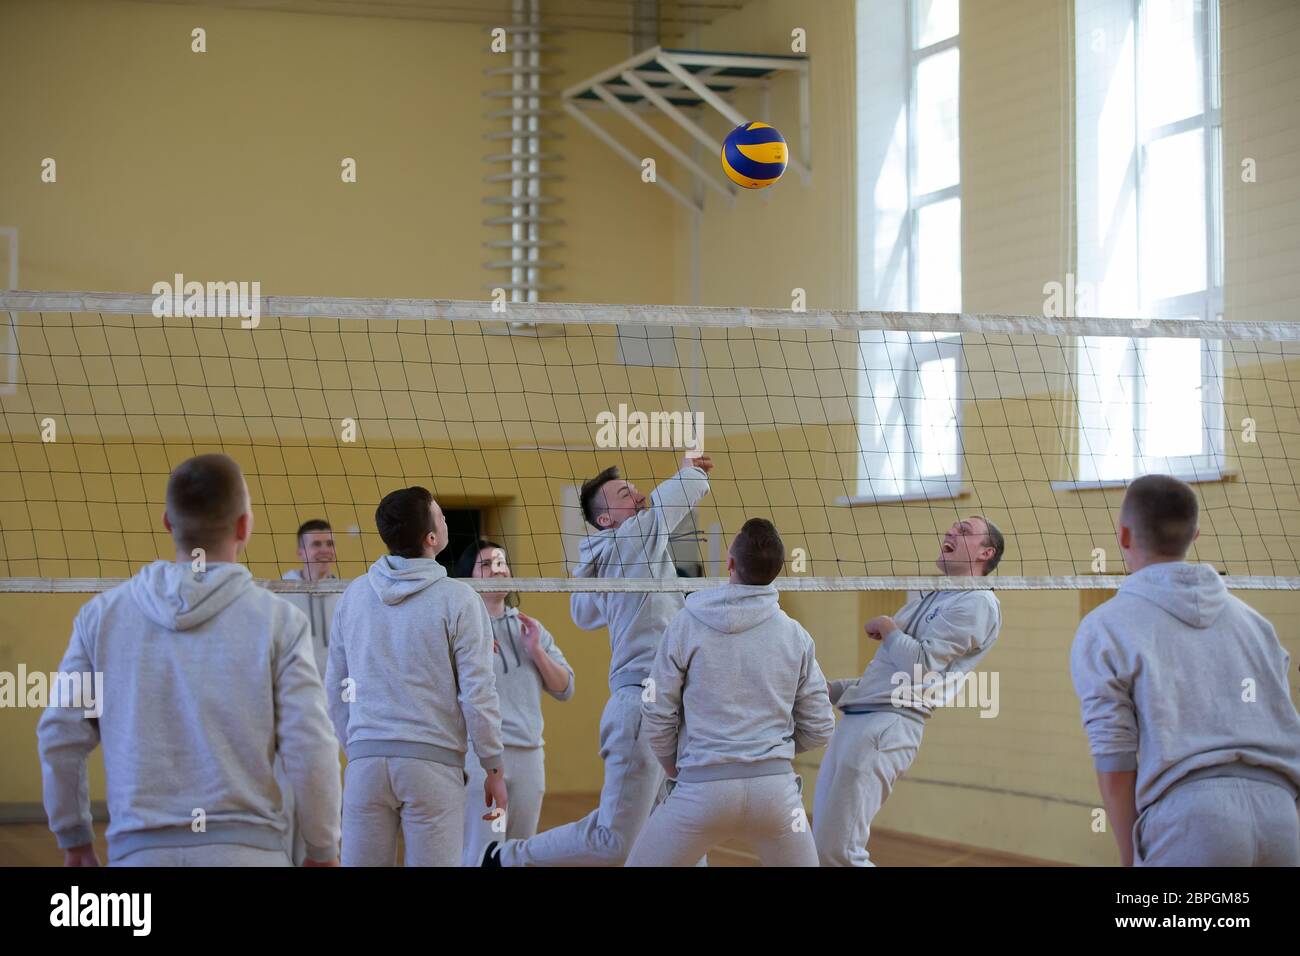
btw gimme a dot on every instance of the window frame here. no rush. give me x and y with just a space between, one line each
1206 304
915 486
915 203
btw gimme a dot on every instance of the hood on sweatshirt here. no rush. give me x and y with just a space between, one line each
732 608
395 578
1193 593
175 596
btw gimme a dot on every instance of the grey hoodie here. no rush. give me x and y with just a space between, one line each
206 677
737 691
638 548
319 609
1175 676
519 683
943 633
415 647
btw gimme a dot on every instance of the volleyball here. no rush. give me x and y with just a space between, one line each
754 155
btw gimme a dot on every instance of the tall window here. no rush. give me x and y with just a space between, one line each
934 175
1150 234
909 196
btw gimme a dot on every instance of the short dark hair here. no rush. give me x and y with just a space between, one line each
1162 511
205 497
758 551
590 488
314 524
464 567
993 539
404 520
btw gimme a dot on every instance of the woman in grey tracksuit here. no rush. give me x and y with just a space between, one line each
526 661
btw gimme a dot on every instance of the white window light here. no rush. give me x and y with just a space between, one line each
909 384
1150 236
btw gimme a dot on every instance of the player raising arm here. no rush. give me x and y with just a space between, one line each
633 534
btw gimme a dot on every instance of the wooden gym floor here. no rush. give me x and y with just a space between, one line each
32 844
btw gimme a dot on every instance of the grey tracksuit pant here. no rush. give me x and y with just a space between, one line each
866 755
633 778
213 854
1220 821
764 812
525 772
422 798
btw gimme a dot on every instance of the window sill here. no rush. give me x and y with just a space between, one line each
859 501
1200 478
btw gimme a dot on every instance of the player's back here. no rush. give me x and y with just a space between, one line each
190 664
1195 675
750 672
401 630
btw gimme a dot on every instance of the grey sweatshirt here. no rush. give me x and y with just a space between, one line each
415 648
519 683
206 677
1175 675
319 609
941 636
737 691
638 548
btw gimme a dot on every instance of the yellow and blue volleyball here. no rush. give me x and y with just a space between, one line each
754 155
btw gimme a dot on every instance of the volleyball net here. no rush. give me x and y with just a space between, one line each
862 435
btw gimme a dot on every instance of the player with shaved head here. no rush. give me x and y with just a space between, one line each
208 682
1186 702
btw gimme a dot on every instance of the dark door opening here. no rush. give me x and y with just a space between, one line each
464 526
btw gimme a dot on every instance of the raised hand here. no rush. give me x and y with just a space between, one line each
530 632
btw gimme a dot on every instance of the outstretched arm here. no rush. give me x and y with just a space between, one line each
675 497
642 540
